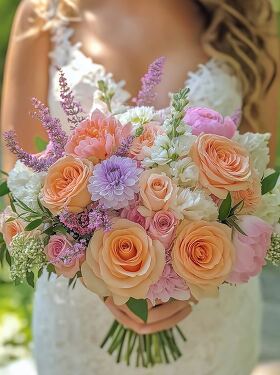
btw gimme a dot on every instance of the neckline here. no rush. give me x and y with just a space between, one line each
62 37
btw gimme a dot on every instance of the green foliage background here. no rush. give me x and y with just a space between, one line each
17 302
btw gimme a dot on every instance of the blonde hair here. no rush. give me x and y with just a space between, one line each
235 32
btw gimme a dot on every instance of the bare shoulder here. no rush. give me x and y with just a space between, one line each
24 17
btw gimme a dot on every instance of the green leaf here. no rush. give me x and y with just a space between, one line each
60 229
269 182
4 190
30 279
34 224
12 203
139 307
50 268
8 258
40 144
225 208
40 272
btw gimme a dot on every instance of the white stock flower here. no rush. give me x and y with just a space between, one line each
269 208
25 184
166 150
257 145
137 116
194 205
185 172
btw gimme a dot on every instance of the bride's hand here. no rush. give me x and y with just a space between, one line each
160 317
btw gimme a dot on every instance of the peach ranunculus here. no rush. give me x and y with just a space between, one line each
122 263
65 186
203 256
10 225
251 197
224 165
97 137
157 191
141 145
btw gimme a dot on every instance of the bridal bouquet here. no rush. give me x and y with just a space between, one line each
142 206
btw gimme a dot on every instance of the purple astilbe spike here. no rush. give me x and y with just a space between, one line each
123 149
57 138
71 107
52 126
236 117
32 161
151 79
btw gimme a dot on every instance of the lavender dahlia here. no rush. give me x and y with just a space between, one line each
115 182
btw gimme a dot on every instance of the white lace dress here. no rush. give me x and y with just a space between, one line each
69 325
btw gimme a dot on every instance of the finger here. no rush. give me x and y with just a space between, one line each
165 311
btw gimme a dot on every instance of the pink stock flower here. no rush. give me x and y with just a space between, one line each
170 285
206 120
97 137
251 249
162 227
61 253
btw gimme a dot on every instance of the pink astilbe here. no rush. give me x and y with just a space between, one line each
57 138
86 222
71 107
151 79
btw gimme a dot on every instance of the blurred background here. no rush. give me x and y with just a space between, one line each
16 302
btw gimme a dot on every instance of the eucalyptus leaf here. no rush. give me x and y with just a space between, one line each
33 225
269 182
139 307
225 208
4 190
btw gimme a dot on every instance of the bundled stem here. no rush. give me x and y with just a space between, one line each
145 350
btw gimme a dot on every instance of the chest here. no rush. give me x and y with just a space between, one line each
125 44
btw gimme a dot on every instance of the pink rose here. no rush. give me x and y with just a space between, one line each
251 249
162 227
57 250
206 120
132 214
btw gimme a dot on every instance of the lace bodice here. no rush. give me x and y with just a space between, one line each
223 333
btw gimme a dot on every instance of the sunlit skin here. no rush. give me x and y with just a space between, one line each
124 36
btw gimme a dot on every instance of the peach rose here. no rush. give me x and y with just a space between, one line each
203 256
65 185
223 164
140 145
10 228
122 263
97 138
157 190
251 197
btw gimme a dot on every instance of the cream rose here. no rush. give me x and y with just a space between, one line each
224 165
203 256
66 184
122 263
157 190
